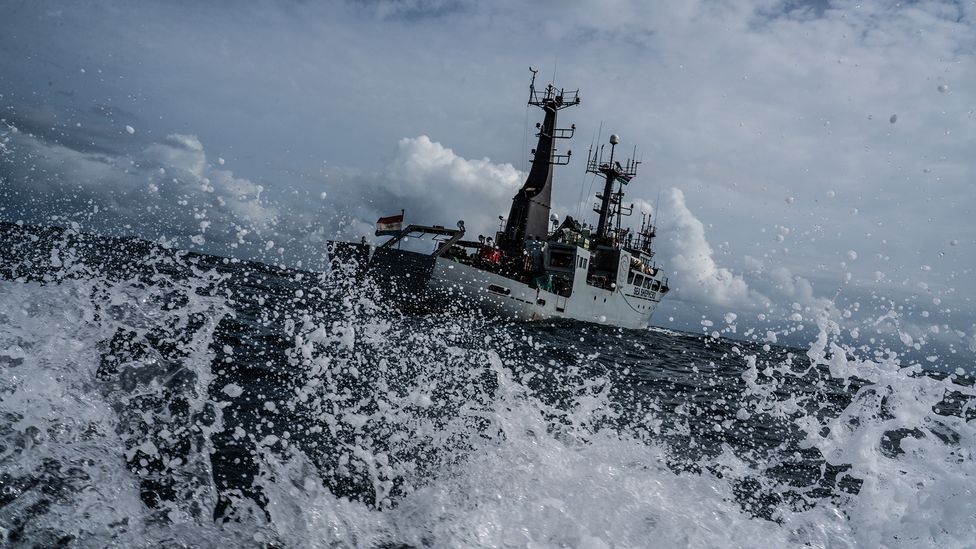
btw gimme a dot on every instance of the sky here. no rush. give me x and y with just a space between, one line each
799 156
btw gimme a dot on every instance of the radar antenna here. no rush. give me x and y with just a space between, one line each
611 206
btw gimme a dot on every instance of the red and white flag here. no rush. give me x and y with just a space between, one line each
386 226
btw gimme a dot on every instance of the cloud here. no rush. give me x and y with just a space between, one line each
436 182
778 297
172 190
168 190
690 260
184 152
230 202
795 289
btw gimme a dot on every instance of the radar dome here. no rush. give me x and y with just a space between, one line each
614 139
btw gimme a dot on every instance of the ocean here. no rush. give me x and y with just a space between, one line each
155 397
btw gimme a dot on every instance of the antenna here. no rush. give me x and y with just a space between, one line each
599 135
611 201
657 204
534 72
579 202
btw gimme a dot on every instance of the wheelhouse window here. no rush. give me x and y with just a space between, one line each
560 259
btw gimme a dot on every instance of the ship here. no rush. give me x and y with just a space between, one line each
534 268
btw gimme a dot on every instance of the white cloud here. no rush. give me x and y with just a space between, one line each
422 163
688 257
170 189
439 185
791 290
184 152
167 190
233 201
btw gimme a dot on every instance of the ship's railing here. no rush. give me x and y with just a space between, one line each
553 97
453 236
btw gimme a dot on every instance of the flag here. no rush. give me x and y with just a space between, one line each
387 226
624 178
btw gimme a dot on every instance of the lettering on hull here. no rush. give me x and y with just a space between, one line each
643 293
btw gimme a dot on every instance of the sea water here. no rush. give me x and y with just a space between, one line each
152 397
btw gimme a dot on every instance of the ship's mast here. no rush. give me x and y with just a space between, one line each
528 218
611 206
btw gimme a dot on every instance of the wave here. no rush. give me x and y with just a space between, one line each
153 397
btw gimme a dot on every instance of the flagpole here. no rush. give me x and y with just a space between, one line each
401 227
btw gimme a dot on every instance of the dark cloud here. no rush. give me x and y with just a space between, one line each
97 131
413 10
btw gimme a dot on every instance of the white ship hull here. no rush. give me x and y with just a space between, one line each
479 288
421 282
